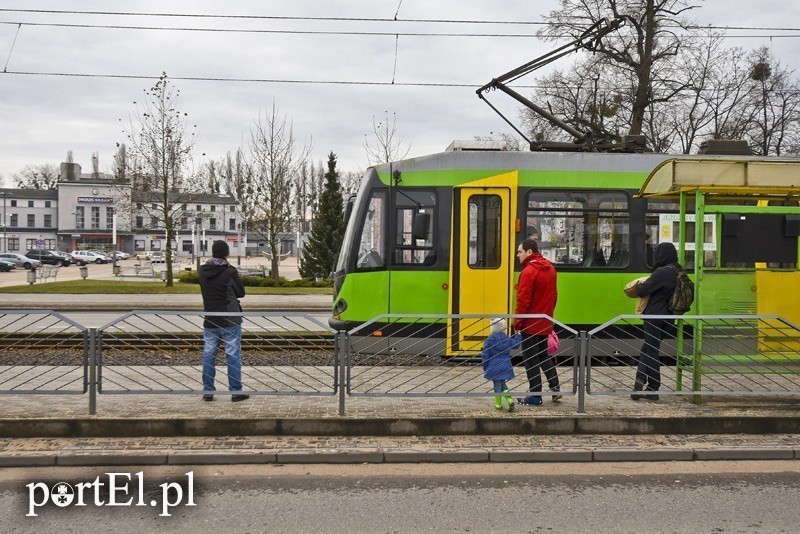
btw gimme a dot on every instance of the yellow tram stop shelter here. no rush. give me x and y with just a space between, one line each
751 218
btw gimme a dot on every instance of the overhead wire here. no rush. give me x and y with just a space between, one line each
277 80
328 32
357 19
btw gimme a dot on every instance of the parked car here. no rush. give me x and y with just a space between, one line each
6 266
77 260
67 259
144 255
158 257
45 256
120 255
103 253
90 257
19 260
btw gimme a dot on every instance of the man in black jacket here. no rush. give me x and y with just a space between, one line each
222 289
660 287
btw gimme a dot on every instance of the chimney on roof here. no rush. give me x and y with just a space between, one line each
70 172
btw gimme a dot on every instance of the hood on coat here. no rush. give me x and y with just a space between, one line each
665 254
211 271
538 262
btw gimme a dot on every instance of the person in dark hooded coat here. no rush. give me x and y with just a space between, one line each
659 287
221 289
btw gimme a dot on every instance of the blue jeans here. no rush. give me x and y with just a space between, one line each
232 337
499 386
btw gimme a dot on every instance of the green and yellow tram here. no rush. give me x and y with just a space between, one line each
437 235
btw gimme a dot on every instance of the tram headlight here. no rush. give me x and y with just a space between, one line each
339 307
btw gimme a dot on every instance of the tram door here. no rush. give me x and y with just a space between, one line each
481 263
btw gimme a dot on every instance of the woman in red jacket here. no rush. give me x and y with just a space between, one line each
536 294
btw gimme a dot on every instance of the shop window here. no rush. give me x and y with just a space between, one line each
80 219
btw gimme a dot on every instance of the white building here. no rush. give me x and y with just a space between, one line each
82 211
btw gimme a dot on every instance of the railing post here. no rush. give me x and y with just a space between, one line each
92 371
583 351
341 354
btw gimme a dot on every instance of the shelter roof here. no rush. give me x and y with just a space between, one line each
753 177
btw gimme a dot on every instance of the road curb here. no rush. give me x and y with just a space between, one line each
379 456
744 453
442 426
637 455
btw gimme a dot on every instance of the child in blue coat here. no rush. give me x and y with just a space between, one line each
496 359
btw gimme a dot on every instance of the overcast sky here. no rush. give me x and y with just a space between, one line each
41 117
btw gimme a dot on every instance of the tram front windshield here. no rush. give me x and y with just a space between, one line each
347 242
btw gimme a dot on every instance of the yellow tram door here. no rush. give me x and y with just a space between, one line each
481 263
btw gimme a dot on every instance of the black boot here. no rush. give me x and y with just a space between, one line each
653 396
637 386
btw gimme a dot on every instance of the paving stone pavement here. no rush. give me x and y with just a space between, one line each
59 407
417 443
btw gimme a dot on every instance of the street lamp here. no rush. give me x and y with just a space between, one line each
5 194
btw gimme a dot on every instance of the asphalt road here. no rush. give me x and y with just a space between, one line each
669 497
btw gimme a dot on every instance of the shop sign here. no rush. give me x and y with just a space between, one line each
96 200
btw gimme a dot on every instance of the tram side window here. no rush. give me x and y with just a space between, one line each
662 224
414 208
371 243
580 228
484 228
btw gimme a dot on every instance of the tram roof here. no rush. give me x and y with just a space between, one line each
746 176
510 160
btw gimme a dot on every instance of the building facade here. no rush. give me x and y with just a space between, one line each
86 211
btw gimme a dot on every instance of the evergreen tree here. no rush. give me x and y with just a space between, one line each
327 227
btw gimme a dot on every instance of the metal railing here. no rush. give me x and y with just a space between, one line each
693 354
162 352
399 355
42 352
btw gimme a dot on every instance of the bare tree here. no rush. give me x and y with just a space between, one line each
277 159
120 169
777 100
350 182
642 48
36 177
239 181
160 140
385 144
590 96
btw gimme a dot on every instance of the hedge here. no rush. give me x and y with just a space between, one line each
191 277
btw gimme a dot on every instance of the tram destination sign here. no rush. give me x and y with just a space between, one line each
96 200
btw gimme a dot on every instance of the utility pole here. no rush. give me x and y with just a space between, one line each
114 242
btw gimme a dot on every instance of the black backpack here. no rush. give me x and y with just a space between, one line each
683 296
